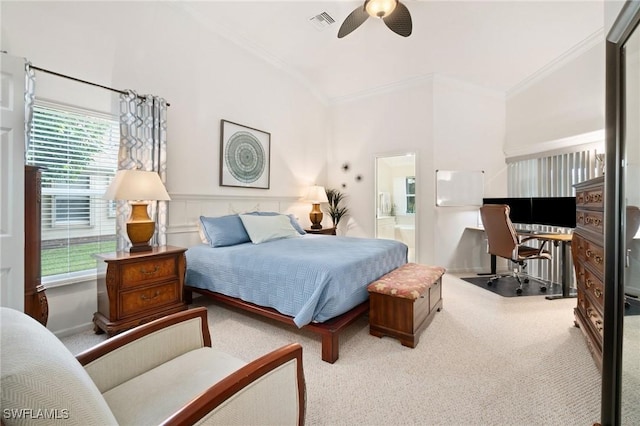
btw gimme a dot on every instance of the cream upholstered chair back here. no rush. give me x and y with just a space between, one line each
41 381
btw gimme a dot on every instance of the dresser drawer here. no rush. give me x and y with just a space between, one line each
593 317
157 269
133 302
590 197
588 252
591 220
590 283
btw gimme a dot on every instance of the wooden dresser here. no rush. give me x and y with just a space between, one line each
35 298
588 259
134 288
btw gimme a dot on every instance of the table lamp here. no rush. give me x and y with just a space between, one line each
316 195
136 186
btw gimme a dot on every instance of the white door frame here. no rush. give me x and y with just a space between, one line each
12 157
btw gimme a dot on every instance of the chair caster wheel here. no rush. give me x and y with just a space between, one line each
543 289
526 280
489 283
518 291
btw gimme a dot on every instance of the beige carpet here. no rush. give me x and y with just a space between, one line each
484 360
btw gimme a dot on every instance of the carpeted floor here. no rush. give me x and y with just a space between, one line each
484 360
507 286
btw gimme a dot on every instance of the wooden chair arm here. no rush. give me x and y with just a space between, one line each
233 390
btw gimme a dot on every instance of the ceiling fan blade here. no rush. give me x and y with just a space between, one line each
353 21
399 21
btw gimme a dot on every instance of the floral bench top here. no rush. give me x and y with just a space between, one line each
408 281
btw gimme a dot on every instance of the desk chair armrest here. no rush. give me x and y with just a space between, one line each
143 348
541 248
268 390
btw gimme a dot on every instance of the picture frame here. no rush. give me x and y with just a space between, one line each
245 156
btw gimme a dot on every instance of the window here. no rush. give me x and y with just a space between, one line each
410 190
78 151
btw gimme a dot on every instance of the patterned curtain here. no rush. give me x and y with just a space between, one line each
143 146
29 98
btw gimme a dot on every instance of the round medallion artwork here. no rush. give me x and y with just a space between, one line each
245 157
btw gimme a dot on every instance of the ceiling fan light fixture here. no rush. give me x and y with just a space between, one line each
380 8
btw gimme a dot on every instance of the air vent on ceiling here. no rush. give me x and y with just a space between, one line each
321 21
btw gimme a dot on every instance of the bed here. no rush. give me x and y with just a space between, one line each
316 282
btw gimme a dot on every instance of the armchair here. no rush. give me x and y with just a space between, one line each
504 242
162 372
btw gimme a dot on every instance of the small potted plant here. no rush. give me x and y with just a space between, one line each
336 211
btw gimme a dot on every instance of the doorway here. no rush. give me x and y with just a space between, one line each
396 202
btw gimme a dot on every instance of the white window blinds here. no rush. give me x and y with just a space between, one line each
78 152
551 176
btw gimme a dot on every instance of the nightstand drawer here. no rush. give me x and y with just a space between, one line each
138 287
134 302
133 274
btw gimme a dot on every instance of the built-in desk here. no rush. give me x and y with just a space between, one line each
555 238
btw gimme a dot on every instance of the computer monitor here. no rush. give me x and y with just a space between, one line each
519 208
554 211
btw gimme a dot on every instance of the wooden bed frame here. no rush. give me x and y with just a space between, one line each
329 330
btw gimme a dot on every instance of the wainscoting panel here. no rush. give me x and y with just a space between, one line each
186 209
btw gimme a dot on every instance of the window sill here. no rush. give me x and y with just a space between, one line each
69 279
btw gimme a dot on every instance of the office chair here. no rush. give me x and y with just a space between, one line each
504 242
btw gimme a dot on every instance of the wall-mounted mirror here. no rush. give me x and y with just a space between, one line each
630 398
395 211
621 342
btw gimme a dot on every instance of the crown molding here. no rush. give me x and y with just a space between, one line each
559 62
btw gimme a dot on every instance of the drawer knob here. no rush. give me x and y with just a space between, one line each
145 297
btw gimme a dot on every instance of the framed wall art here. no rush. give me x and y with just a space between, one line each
244 156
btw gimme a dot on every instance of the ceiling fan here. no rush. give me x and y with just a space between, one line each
393 13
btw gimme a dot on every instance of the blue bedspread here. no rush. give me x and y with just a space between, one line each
310 278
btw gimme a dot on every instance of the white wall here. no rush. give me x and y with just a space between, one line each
152 47
450 125
567 101
469 124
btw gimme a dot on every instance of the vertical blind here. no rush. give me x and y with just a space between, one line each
550 176
78 151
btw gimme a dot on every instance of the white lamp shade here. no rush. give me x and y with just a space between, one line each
136 185
316 195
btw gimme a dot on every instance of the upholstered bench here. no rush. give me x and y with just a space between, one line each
403 302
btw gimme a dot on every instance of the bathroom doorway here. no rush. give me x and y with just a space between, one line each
396 199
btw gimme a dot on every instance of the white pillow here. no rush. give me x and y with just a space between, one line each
267 228
201 233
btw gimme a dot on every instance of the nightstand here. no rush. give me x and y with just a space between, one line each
324 231
134 288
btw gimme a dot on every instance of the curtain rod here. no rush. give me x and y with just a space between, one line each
83 81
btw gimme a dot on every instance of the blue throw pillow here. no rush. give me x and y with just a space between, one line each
292 218
224 231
